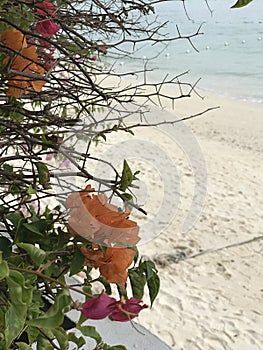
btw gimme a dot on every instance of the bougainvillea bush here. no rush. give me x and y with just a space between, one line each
52 66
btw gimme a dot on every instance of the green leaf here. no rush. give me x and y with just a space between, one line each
23 346
90 331
3 2
43 173
37 255
78 341
138 281
241 3
127 196
45 142
55 315
126 176
24 230
149 268
3 27
21 297
77 262
38 227
8 168
103 136
32 333
14 323
5 247
43 343
4 270
152 278
16 117
20 294
153 285
14 217
62 337
82 319
31 190
2 319
13 189
106 285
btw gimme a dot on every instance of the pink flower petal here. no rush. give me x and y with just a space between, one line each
47 28
49 156
128 310
46 8
44 43
99 307
66 164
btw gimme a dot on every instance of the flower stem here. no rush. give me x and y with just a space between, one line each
45 277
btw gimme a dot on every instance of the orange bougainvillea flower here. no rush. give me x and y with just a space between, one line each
25 62
92 217
14 39
112 263
16 86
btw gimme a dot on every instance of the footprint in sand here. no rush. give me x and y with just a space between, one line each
180 253
223 271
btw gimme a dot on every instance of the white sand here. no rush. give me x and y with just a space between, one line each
213 301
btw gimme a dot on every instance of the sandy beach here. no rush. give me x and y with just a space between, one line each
210 263
214 300
201 184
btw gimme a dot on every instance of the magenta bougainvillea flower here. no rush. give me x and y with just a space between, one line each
46 8
99 307
126 310
44 43
47 28
103 306
102 49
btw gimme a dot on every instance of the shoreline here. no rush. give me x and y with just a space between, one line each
203 91
217 90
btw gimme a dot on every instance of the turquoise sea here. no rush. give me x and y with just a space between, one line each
229 60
